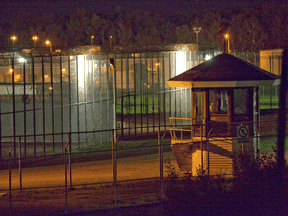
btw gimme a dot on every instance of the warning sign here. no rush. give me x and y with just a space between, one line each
243 133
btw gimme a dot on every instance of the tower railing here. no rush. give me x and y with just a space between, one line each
186 128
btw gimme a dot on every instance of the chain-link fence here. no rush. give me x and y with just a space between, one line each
114 173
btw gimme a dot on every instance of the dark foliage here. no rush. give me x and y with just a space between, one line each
256 188
251 28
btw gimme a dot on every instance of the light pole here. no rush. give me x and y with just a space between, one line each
92 37
34 38
13 38
197 30
111 40
228 42
48 43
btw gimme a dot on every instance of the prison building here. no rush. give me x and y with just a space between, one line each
271 60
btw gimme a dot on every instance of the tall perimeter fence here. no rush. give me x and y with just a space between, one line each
85 132
108 175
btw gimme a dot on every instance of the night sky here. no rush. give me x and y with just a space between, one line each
163 7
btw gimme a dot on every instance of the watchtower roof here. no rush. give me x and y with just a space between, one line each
224 70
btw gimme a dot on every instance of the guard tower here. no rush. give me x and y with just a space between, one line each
225 114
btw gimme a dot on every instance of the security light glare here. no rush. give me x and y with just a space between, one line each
207 57
21 60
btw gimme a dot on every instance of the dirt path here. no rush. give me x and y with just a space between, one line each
88 197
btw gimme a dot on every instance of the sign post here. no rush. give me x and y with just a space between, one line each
243 133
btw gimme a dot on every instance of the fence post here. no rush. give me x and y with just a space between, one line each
0 134
202 168
208 155
161 163
20 168
271 94
66 189
208 160
10 194
70 160
114 161
282 120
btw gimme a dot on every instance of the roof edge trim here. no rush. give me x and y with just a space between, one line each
222 84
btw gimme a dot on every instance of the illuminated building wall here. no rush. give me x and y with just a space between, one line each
271 60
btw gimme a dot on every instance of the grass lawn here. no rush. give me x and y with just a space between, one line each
269 143
148 104
266 102
153 103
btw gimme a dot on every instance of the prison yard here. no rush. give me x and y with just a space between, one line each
85 131
143 108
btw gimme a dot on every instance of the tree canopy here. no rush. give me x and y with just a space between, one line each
250 29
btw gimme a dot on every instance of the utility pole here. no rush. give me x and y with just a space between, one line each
282 115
